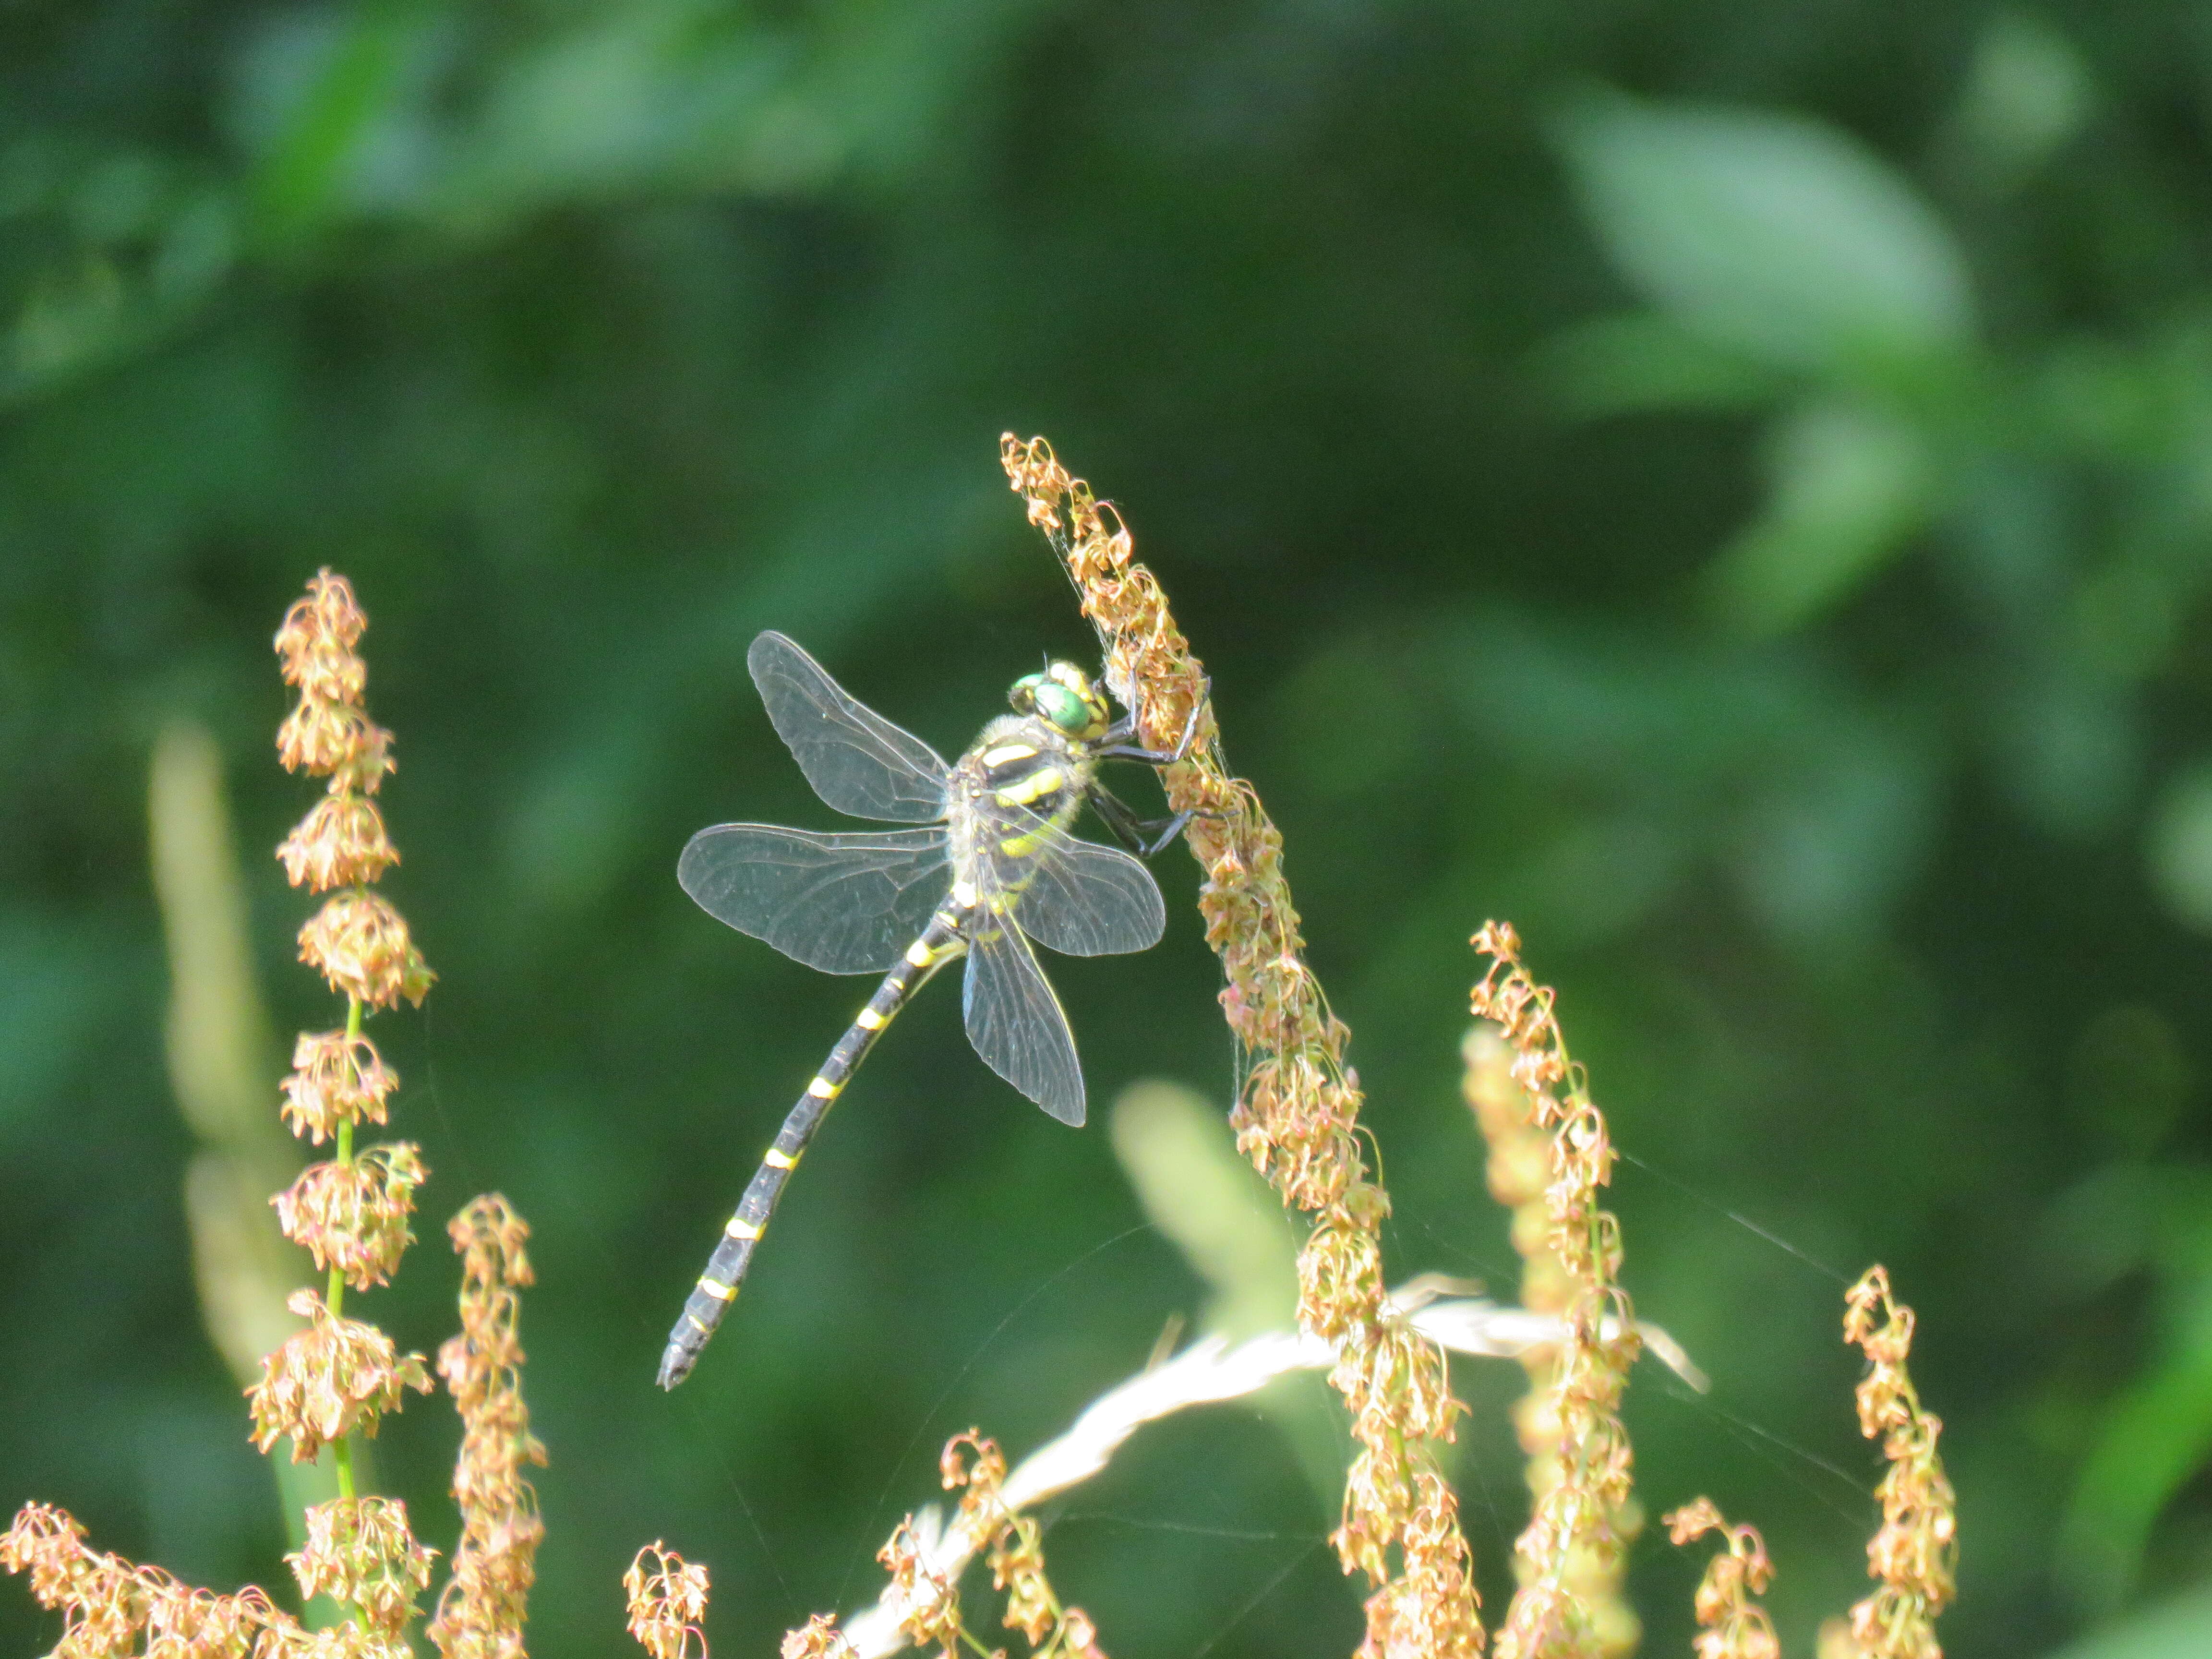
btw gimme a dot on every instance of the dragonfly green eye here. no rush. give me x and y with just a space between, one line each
1047 696
1062 708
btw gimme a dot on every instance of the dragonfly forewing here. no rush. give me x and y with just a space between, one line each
847 903
856 760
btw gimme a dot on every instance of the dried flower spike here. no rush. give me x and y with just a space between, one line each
111 1607
1914 1556
1296 1118
1531 1100
482 1607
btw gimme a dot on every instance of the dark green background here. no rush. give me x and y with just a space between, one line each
1726 484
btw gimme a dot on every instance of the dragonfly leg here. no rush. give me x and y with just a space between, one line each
1145 837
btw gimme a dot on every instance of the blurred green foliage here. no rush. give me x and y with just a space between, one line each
1726 485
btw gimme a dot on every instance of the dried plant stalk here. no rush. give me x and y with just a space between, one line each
485 1600
1915 1555
1570 1557
1296 1113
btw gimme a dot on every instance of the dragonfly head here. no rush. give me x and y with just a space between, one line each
1065 697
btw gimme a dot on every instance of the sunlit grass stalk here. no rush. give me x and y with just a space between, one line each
219 1048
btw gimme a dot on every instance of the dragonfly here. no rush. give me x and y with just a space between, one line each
991 867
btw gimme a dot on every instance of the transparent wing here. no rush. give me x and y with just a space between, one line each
845 904
1081 899
1015 1021
857 761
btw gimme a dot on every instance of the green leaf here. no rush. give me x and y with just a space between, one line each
1632 362
2156 1435
1771 234
2179 1627
2179 850
1849 486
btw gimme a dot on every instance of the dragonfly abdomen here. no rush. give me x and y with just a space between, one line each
942 941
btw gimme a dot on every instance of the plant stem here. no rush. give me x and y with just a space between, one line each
341 1448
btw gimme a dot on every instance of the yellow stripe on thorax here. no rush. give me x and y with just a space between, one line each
1040 783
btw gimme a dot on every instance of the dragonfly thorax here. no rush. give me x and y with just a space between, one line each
1022 772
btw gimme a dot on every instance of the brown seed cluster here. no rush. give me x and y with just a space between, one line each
336 1377
1016 1552
1297 1114
352 1217
1731 1625
111 1607
667 1599
1915 1555
485 1600
1569 1558
336 1078
360 1553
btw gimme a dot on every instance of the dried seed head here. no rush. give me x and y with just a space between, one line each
1731 1625
667 1599
353 1216
320 737
317 631
335 1079
361 947
111 1607
360 1550
335 1376
342 843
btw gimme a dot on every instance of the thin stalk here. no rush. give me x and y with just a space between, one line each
341 1448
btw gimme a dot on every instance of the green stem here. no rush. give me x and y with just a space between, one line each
342 1449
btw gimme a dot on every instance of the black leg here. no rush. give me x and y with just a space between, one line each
1145 837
